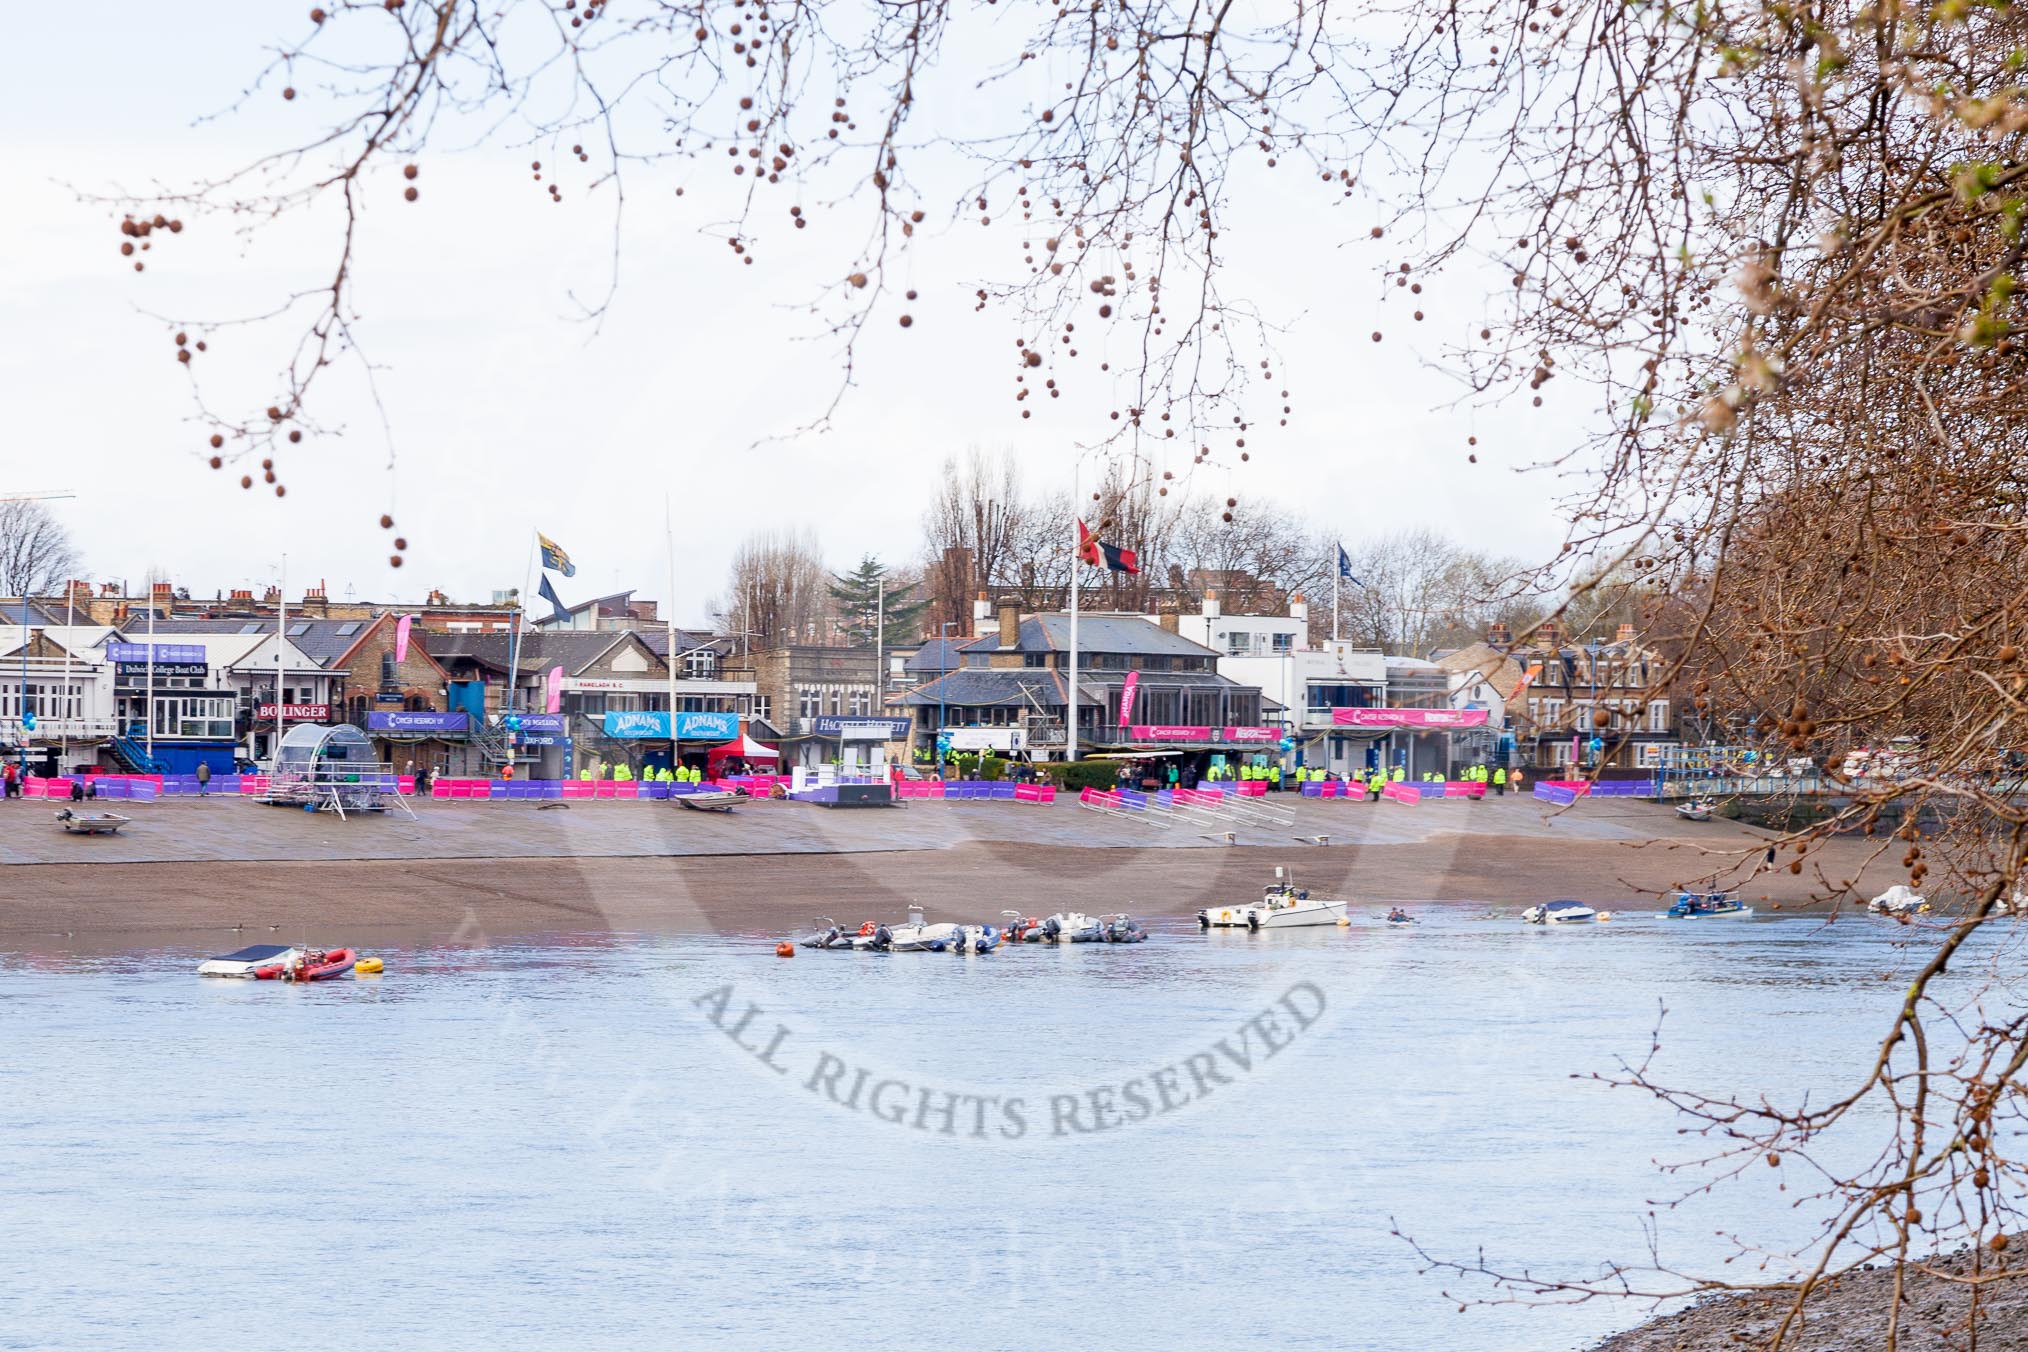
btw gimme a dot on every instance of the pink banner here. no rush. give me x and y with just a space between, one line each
1127 696
401 627
555 702
1408 718
1253 734
1160 732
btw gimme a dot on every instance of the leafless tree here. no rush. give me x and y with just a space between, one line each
778 592
971 529
36 553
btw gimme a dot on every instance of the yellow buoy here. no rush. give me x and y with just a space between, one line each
368 967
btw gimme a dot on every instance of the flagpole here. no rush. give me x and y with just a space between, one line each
669 617
281 632
1337 571
514 642
1076 558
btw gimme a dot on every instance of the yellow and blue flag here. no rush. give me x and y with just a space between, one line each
553 557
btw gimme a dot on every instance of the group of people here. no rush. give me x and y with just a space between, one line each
681 774
1243 773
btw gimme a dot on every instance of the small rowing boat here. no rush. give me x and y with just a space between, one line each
709 802
1708 905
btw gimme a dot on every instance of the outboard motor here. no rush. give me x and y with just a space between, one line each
883 939
1052 930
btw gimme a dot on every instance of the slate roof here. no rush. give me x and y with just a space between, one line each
687 640
1127 634
38 614
571 649
976 686
322 641
939 655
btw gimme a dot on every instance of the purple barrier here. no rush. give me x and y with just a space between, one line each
1623 788
1004 789
1555 793
1134 799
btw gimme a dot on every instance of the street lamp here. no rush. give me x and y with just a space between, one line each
943 670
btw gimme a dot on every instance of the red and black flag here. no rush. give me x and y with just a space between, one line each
1099 554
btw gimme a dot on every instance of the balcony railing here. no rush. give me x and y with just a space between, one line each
60 729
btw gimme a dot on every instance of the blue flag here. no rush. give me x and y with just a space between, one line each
1345 567
553 556
557 611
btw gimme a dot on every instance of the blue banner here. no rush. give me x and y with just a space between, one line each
862 729
394 721
691 726
548 724
164 652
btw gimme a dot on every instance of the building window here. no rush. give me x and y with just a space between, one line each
862 702
1552 713
1284 642
810 701
762 707
1658 715
701 665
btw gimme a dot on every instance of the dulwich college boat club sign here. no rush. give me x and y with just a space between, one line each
1408 718
1157 732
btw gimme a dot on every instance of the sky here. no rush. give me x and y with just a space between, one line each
494 410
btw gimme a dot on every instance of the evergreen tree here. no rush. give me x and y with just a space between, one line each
858 596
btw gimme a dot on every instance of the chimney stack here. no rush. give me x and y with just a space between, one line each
1499 635
1626 634
1211 603
244 594
272 596
1299 610
982 613
1010 626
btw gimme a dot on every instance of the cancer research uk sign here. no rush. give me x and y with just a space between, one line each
1158 732
691 725
395 720
136 654
1408 718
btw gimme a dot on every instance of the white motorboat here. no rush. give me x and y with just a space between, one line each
1697 811
1282 905
1563 913
918 936
1066 927
1899 899
1708 906
831 935
247 961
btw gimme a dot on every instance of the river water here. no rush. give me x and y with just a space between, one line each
589 1140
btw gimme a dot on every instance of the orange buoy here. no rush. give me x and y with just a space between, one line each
785 949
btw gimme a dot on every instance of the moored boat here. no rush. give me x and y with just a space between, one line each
1122 929
1708 905
919 936
309 964
247 962
1698 810
1899 900
1282 905
1563 913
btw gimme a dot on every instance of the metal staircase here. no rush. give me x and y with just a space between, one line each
132 757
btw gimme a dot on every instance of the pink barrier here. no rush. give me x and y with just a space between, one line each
1401 793
580 788
1580 787
626 789
1250 788
1464 788
605 788
1034 793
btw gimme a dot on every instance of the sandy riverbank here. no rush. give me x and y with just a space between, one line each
540 875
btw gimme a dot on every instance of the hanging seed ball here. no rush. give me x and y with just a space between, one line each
409 194
200 345
267 464
1774 1161
281 490
1473 459
409 171
274 413
1471 441
183 355
1226 517
1377 232
1998 1243
127 249
182 340
289 92
386 521
857 279
1376 335
2008 653
1232 502
246 481
218 462
316 16
1246 455
268 477
906 321
401 542
911 294
295 434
